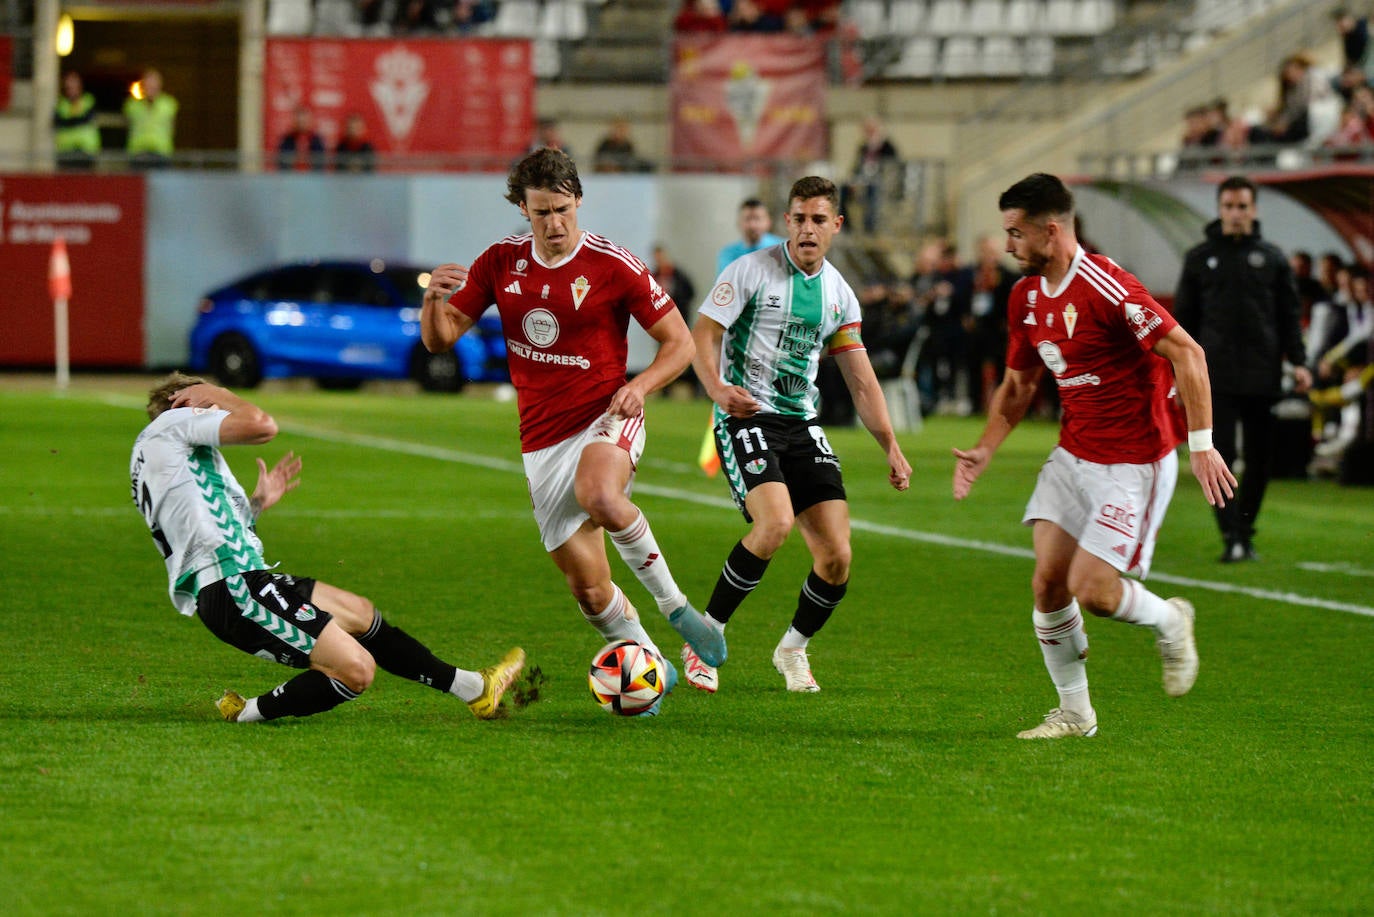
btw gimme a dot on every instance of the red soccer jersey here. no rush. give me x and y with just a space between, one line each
564 325
1095 333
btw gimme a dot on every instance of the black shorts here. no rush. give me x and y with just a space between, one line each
266 614
776 447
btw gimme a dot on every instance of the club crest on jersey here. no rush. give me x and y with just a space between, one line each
756 466
1031 296
305 613
544 293
520 266
580 286
1070 318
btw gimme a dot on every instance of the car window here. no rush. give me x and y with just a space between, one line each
355 285
407 282
299 284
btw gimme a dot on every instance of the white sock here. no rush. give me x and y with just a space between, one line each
1064 644
619 621
249 713
639 550
793 640
467 686
1143 608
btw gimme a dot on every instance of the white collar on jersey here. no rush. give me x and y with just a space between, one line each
534 252
788 255
1064 282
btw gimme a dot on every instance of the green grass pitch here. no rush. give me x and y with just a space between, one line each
900 788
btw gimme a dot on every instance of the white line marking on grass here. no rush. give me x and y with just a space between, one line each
1347 569
687 496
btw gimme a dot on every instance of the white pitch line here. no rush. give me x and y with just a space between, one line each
672 493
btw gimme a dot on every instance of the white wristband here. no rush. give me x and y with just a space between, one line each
1199 440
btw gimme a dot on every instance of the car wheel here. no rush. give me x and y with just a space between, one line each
339 383
438 372
234 362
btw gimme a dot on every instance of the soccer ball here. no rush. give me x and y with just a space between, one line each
626 678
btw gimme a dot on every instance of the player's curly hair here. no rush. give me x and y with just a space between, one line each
804 189
161 395
546 169
1040 195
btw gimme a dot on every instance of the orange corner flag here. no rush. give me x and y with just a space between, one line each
707 457
59 270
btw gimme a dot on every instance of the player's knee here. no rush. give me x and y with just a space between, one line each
833 565
769 534
593 597
357 671
1051 594
1096 595
605 505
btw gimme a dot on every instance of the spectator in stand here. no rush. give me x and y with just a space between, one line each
549 135
986 324
943 292
151 115
873 166
676 283
76 139
755 225
415 17
616 151
1310 289
1289 121
1348 80
354 152
821 15
1195 126
890 325
750 16
301 149
467 15
700 16
1357 123
1346 363
1354 32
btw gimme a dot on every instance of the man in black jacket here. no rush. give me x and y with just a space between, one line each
1238 298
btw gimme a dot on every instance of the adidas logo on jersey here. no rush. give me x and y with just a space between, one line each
514 287
1029 319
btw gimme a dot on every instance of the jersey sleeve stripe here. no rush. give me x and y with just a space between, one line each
1105 283
615 251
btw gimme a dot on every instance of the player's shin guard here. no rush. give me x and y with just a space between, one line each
1064 644
1142 607
815 604
401 654
639 549
308 693
740 576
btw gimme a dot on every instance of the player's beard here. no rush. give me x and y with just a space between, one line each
1035 263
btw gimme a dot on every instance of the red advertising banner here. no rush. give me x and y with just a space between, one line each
738 99
470 98
101 217
6 70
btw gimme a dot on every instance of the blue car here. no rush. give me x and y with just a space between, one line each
341 322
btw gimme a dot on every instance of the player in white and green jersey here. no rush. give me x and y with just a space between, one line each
760 337
202 522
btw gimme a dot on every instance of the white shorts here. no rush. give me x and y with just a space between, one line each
1115 511
551 474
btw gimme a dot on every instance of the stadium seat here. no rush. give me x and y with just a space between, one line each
547 60
870 18
563 19
516 18
987 17
947 17
1037 55
290 17
1001 56
1096 16
1023 17
1060 17
337 17
960 57
918 60
907 18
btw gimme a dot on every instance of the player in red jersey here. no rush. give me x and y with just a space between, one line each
1121 362
566 298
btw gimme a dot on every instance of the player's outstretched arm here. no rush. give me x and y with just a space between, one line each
441 324
674 355
871 407
276 482
1195 393
1009 404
